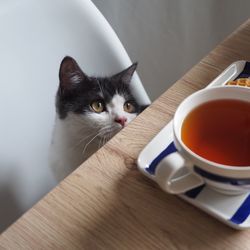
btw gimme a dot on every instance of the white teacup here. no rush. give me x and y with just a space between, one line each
184 170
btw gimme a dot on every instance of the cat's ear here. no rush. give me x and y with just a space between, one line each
126 75
70 74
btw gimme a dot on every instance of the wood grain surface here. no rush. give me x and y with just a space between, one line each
107 204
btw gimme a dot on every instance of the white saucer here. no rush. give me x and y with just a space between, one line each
232 210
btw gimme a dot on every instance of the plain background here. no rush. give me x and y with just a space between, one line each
168 37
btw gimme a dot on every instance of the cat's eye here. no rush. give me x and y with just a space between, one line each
129 107
98 106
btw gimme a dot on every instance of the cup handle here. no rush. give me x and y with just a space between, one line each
173 176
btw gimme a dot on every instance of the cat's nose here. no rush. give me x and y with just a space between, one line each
121 120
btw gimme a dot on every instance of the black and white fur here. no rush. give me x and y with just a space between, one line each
79 131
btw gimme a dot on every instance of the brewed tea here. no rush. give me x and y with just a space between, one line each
219 131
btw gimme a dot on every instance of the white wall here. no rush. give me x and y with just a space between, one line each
167 37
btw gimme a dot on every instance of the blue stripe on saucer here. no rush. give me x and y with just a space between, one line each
242 213
246 71
168 150
193 193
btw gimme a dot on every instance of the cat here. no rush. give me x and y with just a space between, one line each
89 111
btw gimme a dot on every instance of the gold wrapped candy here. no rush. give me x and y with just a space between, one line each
245 82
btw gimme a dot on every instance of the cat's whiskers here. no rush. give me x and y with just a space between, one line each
104 140
86 145
110 133
79 143
86 137
105 133
109 136
77 121
101 143
101 133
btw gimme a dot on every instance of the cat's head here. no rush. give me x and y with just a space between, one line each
104 104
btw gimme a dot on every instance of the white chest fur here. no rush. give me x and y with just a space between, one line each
68 147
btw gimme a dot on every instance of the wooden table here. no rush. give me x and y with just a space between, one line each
107 204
